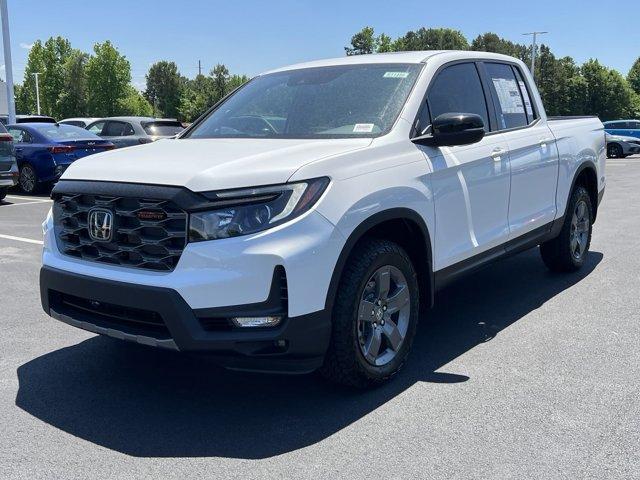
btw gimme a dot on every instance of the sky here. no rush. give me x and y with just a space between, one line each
251 36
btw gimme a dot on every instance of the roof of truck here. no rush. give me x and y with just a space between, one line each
393 57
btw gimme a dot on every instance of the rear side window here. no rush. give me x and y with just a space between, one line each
19 136
96 128
118 129
507 98
457 89
164 128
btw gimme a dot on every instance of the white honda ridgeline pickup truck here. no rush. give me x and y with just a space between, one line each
307 219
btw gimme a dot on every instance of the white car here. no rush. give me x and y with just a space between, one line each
306 221
619 146
81 122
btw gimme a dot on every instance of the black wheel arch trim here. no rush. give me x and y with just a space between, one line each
399 213
587 165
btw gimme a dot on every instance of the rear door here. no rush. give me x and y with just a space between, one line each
532 150
471 182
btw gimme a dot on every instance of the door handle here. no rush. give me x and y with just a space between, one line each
497 153
544 141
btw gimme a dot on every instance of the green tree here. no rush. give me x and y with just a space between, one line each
236 81
72 101
196 97
52 81
491 42
134 103
26 97
362 43
220 75
431 39
609 95
163 88
634 76
108 77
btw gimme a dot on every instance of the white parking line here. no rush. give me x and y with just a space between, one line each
617 164
34 199
21 239
18 204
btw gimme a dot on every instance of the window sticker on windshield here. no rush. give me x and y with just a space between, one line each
395 75
508 95
363 128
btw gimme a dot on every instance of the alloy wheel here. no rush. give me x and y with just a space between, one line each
579 234
383 315
27 179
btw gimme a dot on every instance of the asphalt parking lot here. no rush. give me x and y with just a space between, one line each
518 373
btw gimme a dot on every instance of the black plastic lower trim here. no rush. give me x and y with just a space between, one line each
529 240
297 345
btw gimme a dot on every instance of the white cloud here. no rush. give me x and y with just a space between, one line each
26 46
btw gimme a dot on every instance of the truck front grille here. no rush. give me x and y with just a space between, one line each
145 233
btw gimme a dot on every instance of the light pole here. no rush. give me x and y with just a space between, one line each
533 50
11 101
37 91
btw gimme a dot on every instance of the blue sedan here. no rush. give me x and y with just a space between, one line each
44 151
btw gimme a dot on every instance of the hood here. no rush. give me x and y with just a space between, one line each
209 164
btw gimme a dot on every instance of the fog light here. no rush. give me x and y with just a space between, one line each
256 321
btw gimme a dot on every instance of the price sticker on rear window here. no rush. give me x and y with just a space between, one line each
363 128
396 74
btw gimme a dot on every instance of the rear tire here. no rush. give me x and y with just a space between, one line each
374 317
28 179
614 151
569 250
3 193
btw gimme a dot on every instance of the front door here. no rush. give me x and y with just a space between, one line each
470 183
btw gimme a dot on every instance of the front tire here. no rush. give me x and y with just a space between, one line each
375 316
3 193
28 179
569 250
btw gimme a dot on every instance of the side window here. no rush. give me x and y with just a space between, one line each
19 136
506 96
97 128
635 125
128 130
524 91
115 129
457 89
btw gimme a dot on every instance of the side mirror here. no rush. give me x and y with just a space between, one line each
450 129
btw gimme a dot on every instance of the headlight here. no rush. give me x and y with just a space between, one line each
246 211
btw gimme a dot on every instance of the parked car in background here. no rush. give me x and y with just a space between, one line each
79 121
619 146
8 166
4 119
45 150
628 128
128 131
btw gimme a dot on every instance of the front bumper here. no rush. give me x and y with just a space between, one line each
160 317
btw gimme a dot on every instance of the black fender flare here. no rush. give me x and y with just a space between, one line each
359 232
587 165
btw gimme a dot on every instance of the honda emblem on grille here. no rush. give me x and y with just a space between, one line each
100 224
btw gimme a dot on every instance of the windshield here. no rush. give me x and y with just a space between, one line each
325 102
59 132
163 129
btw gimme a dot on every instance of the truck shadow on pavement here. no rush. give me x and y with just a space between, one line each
152 403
